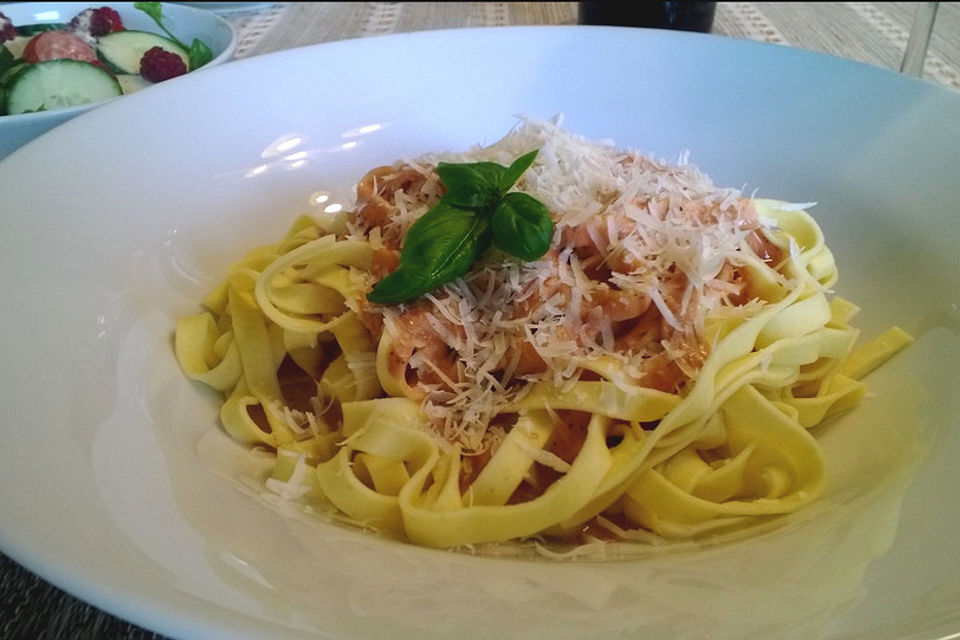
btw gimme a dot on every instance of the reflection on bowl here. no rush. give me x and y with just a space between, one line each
186 22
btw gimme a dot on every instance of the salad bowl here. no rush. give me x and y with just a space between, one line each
186 22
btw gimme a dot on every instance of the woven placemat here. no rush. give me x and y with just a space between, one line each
872 32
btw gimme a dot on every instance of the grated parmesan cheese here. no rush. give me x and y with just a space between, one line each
643 251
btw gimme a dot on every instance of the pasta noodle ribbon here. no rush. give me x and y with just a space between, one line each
207 355
431 520
273 285
392 451
603 398
663 367
769 465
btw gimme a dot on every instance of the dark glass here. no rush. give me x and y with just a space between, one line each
684 16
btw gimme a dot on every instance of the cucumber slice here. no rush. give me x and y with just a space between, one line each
130 83
123 50
58 84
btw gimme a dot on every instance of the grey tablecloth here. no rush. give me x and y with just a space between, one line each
875 33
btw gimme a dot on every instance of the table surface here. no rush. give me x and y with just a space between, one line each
869 32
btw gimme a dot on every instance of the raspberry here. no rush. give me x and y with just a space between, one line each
116 23
7 30
96 22
158 65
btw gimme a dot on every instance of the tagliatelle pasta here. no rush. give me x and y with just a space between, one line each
656 372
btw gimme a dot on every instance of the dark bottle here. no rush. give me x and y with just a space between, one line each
681 15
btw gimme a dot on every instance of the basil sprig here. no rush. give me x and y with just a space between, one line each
198 52
475 210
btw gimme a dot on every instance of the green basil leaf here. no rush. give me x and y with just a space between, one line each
155 11
11 73
6 59
403 284
445 240
152 9
473 185
199 54
443 244
522 226
516 169
439 247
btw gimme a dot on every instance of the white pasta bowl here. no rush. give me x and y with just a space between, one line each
109 485
185 22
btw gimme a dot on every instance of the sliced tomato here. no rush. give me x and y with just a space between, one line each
56 45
